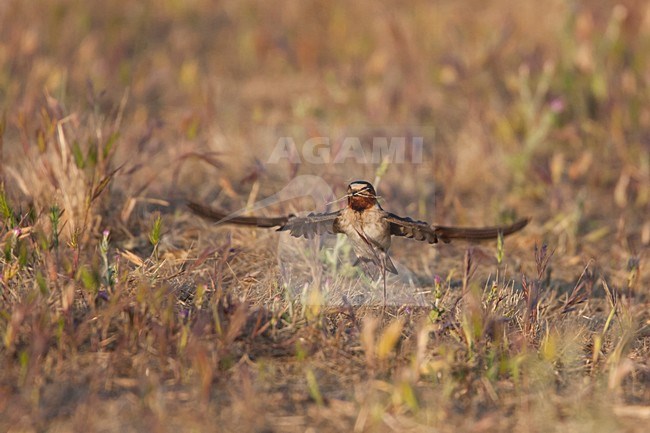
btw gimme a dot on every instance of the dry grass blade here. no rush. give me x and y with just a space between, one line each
103 183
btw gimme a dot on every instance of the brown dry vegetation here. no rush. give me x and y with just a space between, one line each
119 311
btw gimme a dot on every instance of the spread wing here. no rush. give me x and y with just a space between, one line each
221 216
421 231
312 224
412 229
307 226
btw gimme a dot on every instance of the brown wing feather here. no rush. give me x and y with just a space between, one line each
224 217
312 224
421 231
446 234
307 226
407 227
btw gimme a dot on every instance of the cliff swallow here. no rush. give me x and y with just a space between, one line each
368 226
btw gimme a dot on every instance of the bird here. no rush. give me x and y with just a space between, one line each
367 225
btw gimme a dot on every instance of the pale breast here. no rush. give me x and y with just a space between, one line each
376 227
370 222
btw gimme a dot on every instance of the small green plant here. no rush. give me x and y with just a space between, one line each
500 248
55 219
6 212
108 270
155 234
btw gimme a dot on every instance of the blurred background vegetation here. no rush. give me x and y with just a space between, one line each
526 98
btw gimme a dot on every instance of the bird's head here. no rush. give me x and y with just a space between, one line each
361 195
